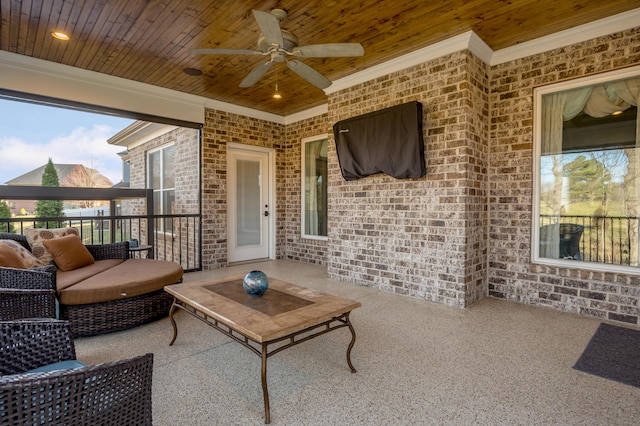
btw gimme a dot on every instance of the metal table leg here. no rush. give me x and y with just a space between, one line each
173 321
265 391
353 341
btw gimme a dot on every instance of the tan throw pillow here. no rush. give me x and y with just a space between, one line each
36 237
68 252
14 255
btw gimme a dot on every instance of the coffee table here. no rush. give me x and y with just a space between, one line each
284 316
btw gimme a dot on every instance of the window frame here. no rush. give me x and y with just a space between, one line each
538 93
162 190
303 144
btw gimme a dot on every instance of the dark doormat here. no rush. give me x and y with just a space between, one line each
613 353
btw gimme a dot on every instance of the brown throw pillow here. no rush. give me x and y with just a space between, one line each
14 255
37 236
9 258
68 252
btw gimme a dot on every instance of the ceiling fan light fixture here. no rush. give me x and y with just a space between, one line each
277 95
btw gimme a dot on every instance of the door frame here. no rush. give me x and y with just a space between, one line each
271 159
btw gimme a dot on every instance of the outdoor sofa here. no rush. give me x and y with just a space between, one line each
109 292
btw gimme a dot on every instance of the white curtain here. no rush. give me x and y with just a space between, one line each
596 101
556 108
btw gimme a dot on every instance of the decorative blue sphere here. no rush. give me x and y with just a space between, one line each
255 283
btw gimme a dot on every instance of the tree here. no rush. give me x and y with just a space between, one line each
49 208
84 177
588 180
5 213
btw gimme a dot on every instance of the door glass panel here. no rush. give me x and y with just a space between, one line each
248 202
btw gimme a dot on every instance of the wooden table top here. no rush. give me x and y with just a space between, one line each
284 309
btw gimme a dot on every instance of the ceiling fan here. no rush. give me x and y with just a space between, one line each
279 45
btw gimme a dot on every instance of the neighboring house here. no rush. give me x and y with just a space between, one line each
69 175
462 232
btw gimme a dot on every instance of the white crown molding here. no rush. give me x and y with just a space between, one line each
602 27
308 113
247 112
478 47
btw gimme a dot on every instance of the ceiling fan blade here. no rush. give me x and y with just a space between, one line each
308 73
224 52
270 26
255 74
329 50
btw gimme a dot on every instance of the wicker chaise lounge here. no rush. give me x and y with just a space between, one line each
113 293
115 393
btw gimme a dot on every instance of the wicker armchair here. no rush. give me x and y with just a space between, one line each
28 293
114 393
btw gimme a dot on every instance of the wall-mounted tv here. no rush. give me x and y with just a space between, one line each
386 141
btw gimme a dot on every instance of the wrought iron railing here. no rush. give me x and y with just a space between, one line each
180 243
603 239
174 237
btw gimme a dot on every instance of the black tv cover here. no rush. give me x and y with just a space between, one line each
387 141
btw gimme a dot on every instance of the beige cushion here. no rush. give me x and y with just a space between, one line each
36 237
65 279
14 255
131 278
68 252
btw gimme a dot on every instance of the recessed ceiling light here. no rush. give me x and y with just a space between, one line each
616 113
60 35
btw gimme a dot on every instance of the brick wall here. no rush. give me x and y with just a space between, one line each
420 237
512 276
298 248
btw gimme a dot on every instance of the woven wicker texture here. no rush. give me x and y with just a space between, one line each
109 251
97 318
116 393
18 304
28 344
28 293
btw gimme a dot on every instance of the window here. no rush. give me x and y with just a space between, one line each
314 187
587 163
161 178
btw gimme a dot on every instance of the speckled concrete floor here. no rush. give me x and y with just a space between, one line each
419 363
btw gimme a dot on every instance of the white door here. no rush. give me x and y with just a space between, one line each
250 210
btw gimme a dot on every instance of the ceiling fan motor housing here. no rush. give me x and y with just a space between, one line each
290 42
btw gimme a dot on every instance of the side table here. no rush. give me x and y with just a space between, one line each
137 251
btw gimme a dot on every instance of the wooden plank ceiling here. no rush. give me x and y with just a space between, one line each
148 40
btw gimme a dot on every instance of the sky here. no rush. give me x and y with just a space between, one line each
31 134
